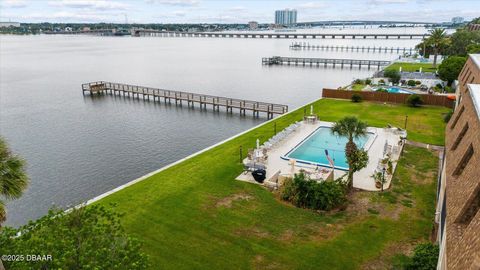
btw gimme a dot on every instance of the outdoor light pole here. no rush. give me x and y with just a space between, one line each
275 128
406 119
241 157
383 178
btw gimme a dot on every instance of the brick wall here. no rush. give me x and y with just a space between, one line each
463 188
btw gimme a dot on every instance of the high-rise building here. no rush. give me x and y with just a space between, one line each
286 16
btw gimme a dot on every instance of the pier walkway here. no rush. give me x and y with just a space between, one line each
178 97
307 46
278 60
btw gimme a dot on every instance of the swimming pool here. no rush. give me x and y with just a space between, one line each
312 149
399 90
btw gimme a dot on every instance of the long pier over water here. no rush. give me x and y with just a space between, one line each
278 60
307 46
157 33
178 97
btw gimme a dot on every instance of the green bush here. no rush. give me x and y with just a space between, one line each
358 81
356 98
425 257
305 193
411 83
449 89
414 100
382 90
381 81
439 86
418 82
368 81
392 75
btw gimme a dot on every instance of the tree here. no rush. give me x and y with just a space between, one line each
351 128
451 67
89 237
460 40
438 41
392 75
13 178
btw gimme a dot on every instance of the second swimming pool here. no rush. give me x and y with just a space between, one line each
312 149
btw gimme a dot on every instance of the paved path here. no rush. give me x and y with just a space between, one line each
425 145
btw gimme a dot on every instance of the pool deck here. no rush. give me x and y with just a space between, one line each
362 179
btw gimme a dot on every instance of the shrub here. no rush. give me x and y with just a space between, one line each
381 81
449 89
439 86
447 116
411 83
358 81
356 98
382 90
418 82
414 100
425 256
302 192
392 75
368 81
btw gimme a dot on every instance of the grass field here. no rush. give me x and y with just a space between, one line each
195 216
411 67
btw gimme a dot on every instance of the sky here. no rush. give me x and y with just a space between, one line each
231 11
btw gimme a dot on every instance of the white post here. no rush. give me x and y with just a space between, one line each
311 109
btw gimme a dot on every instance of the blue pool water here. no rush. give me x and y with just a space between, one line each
399 90
312 149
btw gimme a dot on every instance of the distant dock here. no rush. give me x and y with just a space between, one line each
278 60
307 46
148 93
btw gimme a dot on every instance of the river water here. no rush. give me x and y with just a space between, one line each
78 147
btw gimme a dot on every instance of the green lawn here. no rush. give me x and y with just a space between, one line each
424 124
426 67
195 215
358 87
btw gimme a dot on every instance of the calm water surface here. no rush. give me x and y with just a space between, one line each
78 147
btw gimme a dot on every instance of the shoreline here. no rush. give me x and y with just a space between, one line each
146 176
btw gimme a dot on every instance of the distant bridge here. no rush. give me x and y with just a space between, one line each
357 22
158 33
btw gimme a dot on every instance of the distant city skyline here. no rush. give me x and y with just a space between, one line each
208 11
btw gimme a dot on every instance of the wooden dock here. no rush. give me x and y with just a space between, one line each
307 46
149 93
278 60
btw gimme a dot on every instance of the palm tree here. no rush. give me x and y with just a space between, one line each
437 40
351 128
13 179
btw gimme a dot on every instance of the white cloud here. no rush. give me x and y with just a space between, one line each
179 13
182 3
312 5
13 4
381 2
90 4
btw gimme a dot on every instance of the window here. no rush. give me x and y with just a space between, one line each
460 137
471 208
454 123
464 162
